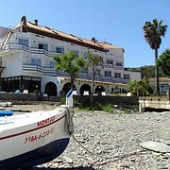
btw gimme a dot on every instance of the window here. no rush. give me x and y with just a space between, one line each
98 72
117 75
84 70
60 50
36 61
118 64
23 42
85 55
52 64
107 73
43 46
126 76
109 61
77 53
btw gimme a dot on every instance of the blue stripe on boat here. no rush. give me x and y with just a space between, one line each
35 157
6 112
69 93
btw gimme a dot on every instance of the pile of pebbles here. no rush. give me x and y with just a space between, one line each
112 141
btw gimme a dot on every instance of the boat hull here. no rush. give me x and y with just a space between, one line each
32 139
37 156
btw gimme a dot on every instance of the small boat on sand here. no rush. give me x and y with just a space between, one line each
30 139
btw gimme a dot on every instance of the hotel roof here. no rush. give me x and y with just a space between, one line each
49 32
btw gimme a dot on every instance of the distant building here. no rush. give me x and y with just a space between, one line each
26 61
164 83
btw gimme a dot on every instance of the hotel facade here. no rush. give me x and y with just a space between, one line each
26 61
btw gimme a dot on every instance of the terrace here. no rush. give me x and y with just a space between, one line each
15 48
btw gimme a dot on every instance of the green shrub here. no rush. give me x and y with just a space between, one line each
108 108
62 100
95 106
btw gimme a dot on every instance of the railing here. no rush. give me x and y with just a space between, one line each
118 67
50 71
113 66
154 98
36 50
109 65
43 70
126 80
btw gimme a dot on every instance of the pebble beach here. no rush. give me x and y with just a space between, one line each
110 141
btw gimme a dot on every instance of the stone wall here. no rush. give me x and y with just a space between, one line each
115 100
27 97
20 97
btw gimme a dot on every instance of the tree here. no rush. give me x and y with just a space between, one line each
153 33
95 63
70 63
164 62
140 88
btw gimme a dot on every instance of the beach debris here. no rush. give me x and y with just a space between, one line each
5 104
156 146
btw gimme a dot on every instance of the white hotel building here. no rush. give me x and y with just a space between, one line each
26 61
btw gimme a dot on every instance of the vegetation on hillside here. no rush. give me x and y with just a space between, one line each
146 71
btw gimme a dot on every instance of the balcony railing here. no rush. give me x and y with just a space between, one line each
43 70
51 72
109 65
118 67
36 50
113 66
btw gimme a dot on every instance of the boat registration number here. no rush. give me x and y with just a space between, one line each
37 137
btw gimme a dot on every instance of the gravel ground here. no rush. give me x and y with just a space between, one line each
113 140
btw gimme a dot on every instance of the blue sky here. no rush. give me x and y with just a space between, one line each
119 22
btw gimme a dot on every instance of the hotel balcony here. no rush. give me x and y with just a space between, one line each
51 72
14 47
113 66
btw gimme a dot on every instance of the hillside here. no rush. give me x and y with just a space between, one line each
146 71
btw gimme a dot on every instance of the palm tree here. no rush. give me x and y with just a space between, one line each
153 33
70 63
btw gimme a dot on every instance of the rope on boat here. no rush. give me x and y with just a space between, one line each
120 156
69 125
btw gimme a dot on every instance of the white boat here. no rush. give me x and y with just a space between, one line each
31 139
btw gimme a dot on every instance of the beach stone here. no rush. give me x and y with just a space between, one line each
156 146
68 160
57 160
166 142
111 135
